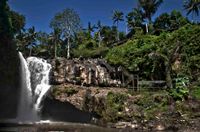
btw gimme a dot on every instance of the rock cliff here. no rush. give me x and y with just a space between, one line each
84 72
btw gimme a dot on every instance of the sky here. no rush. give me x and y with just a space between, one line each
39 13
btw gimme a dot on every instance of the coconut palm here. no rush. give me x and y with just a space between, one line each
117 17
55 39
90 29
134 18
149 8
192 6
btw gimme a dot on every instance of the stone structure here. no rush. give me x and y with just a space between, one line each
84 72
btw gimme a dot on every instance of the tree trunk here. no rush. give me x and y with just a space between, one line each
68 44
126 29
30 51
55 50
147 29
68 48
192 17
168 75
99 34
117 31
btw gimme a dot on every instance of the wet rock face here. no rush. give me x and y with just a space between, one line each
83 72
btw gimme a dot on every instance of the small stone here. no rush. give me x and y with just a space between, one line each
134 125
160 127
127 109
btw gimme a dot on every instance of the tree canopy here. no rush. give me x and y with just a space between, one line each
67 21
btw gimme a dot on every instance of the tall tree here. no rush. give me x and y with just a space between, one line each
56 40
68 22
44 45
99 26
134 18
149 8
109 34
90 28
26 40
192 6
117 17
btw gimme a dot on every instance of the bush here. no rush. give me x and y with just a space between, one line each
114 105
90 53
180 92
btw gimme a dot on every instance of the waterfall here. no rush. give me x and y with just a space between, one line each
26 109
34 86
40 70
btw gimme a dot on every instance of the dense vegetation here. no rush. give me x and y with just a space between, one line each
149 55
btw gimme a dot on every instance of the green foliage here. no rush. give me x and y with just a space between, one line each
109 35
90 53
117 16
134 18
192 6
180 92
55 91
26 40
170 22
17 21
149 7
134 54
114 105
189 39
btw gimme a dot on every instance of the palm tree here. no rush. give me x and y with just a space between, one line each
117 17
55 38
149 8
192 6
134 18
90 28
30 39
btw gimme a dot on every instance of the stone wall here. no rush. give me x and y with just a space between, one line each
84 72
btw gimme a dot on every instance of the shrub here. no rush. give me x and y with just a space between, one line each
114 105
180 92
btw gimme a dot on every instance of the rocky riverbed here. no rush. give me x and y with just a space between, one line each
123 108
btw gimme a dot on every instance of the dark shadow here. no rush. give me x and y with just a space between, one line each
55 110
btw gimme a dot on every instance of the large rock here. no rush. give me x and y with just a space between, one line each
83 72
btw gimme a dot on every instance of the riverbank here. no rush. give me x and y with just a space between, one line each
123 108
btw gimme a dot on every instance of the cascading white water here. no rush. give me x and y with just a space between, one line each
40 70
26 109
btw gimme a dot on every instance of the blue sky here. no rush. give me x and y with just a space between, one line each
38 13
